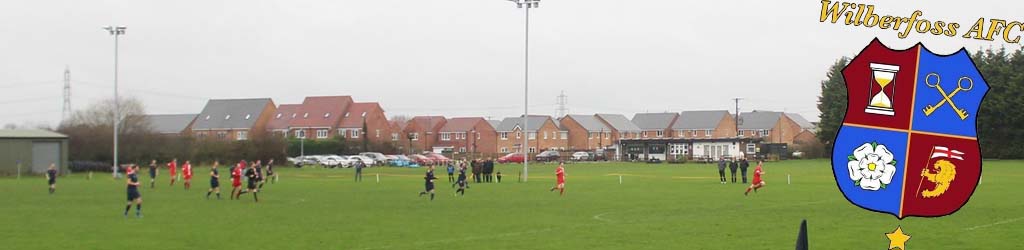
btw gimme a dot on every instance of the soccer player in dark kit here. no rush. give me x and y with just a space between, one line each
259 175
214 181
152 174
253 179
429 185
462 183
133 192
271 176
51 177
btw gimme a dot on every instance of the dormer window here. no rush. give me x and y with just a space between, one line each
364 114
207 117
247 116
227 117
278 116
327 115
346 114
306 115
294 114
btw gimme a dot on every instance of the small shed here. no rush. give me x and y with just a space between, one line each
32 150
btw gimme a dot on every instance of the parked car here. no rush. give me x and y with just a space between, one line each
401 161
511 158
309 160
438 158
421 160
366 160
334 161
581 156
547 156
378 158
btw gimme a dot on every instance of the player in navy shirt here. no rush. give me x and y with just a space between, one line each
51 177
152 174
429 178
462 183
133 192
253 179
214 181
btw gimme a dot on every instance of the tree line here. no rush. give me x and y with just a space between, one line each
999 118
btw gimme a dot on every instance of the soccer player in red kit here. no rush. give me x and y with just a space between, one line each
758 182
173 169
560 176
186 171
236 180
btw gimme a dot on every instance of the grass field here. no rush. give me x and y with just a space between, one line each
656 207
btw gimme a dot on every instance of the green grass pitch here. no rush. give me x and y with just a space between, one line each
656 207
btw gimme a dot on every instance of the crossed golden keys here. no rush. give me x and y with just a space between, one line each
947 98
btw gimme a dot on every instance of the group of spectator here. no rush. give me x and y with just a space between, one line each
733 165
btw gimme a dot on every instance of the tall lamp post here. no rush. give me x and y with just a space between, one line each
526 4
116 31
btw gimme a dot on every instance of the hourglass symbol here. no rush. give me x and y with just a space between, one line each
883 76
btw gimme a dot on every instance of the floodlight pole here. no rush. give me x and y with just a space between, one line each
116 31
527 4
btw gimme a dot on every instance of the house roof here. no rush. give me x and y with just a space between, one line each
428 122
619 122
494 123
799 119
353 117
321 111
231 113
284 116
589 123
702 119
462 124
30 134
759 119
169 124
398 125
534 122
654 121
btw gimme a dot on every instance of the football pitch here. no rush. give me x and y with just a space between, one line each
663 206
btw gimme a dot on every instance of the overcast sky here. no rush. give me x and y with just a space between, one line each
453 57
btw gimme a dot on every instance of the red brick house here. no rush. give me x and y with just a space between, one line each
468 135
587 132
233 119
278 125
319 116
368 113
542 134
772 127
655 125
705 124
424 132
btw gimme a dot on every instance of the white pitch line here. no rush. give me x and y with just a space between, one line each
994 224
598 217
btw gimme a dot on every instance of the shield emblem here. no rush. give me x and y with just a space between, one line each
908 143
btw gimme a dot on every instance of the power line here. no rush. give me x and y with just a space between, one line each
66 110
561 102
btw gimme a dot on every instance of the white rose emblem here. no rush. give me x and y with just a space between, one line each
872 166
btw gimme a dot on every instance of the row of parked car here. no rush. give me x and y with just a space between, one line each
370 159
551 156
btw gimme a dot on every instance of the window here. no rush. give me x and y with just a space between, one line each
546 135
679 133
327 115
242 135
764 133
478 136
565 135
364 114
751 148
693 133
378 133
222 134
532 135
227 117
660 133
533 150
207 117
202 134
346 114
247 116
294 114
278 116
519 135
504 150
343 133
301 134
503 135
306 115
707 132
354 133
446 136
677 149
462 149
645 134
590 135
321 134
415 136
394 136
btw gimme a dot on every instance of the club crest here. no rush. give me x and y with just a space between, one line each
908 143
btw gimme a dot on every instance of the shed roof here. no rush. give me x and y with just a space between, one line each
30 134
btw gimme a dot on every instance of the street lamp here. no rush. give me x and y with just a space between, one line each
527 4
116 32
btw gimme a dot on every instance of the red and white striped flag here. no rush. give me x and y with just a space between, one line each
944 152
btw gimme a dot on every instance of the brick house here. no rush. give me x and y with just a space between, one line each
622 128
377 125
278 125
705 124
423 131
772 127
318 117
471 135
586 132
655 125
171 125
542 134
233 119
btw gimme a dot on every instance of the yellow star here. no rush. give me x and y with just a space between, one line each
897 239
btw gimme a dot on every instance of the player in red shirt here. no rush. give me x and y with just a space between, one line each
758 182
186 171
560 176
236 179
173 168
